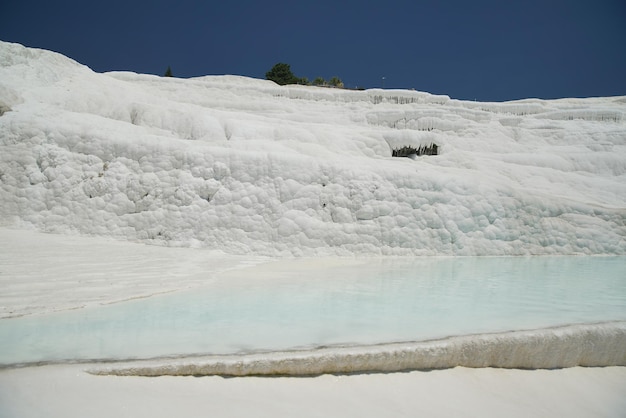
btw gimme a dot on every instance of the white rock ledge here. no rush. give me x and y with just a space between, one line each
591 345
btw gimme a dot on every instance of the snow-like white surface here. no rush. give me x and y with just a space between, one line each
42 273
66 391
246 166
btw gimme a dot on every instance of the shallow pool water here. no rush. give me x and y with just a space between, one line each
312 303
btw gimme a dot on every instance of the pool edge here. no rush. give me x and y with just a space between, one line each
590 345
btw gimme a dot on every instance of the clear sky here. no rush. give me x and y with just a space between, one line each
468 49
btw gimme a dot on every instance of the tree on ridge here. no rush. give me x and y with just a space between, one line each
281 74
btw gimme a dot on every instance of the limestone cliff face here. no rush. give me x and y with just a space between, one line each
247 166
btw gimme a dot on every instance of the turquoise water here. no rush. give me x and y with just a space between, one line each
310 304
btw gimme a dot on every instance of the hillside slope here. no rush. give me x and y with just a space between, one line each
248 166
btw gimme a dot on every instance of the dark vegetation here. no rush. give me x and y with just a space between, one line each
431 149
281 74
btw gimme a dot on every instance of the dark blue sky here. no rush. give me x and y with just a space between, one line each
468 49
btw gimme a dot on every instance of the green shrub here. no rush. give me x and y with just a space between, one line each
336 82
281 74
